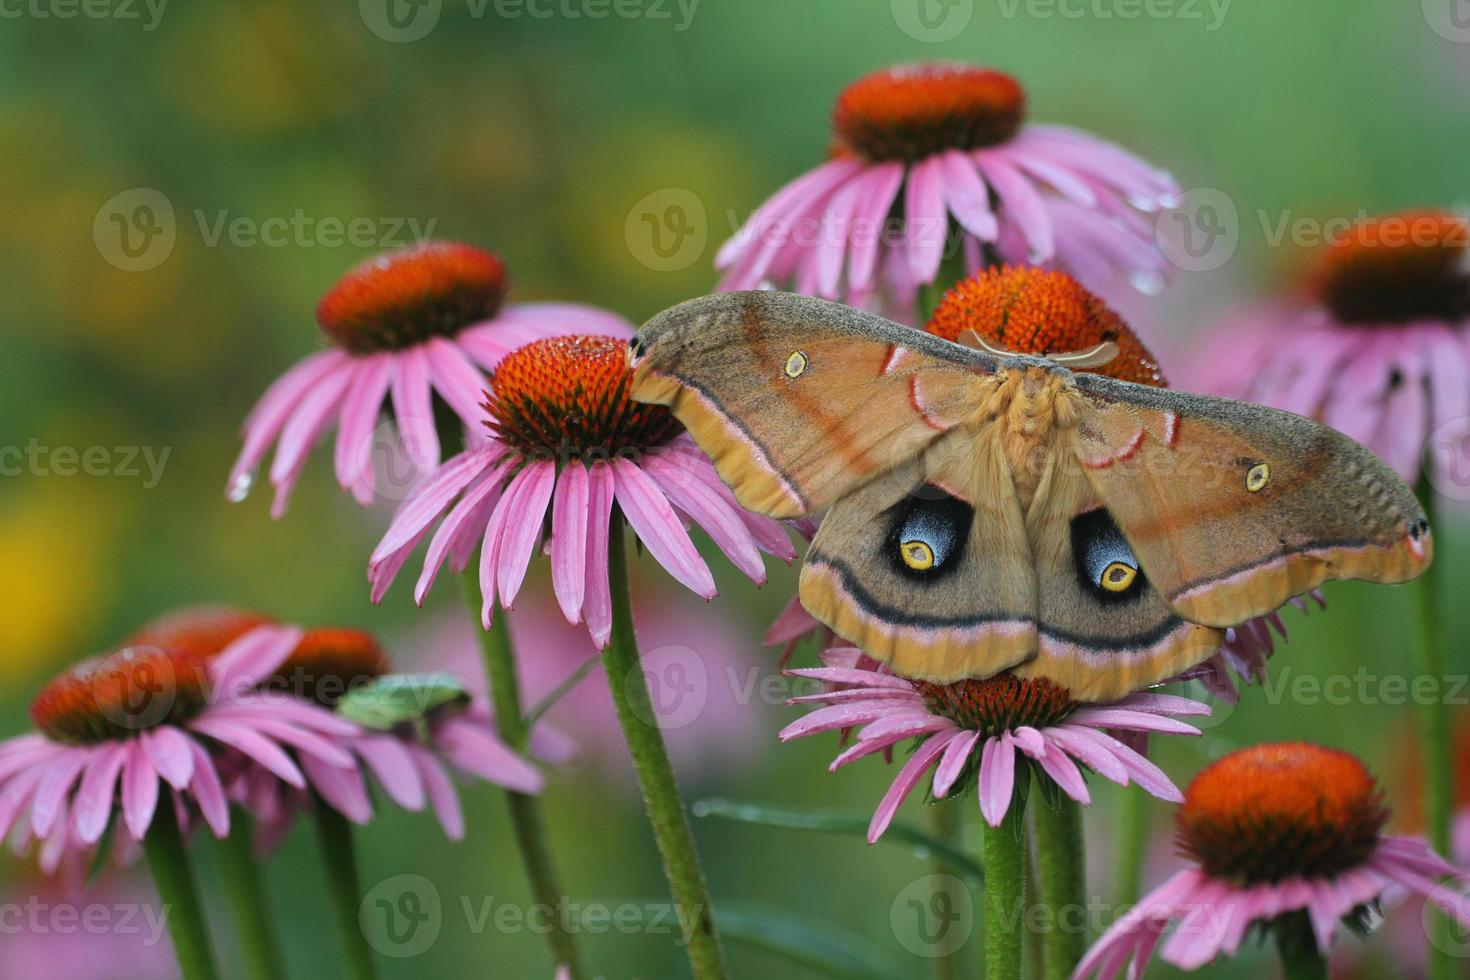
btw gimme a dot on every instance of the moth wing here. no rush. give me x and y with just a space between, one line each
1103 630
972 612
1233 509
798 400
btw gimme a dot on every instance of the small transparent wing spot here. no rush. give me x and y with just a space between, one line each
796 365
1118 577
1257 477
917 555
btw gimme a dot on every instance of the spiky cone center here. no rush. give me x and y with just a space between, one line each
408 295
1041 311
567 398
998 704
909 112
1278 811
201 630
328 663
118 695
1400 267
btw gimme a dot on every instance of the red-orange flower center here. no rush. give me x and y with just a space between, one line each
1039 311
328 663
1399 267
201 630
1278 811
406 296
912 111
998 704
566 397
118 695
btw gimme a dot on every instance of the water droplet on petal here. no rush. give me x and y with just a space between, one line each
239 488
1147 281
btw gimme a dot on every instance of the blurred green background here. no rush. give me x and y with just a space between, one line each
538 137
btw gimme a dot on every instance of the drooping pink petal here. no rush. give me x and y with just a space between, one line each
413 409
707 509
252 744
169 749
882 185
997 778
967 196
459 382
394 768
658 527
1095 755
1060 767
308 744
1137 721
430 500
341 787
359 416
55 785
139 790
305 428
956 754
926 223
597 609
266 419
94 800
525 503
19 791
1020 203
250 659
441 792
460 523
908 777
208 793
569 540
833 718
476 751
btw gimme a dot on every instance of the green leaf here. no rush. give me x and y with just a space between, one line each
562 690
821 946
923 845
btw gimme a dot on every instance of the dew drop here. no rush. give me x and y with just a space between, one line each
239 488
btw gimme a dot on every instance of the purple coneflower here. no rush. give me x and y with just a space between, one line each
1285 838
403 327
566 442
110 732
981 731
943 146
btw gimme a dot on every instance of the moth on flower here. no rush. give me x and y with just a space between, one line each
987 511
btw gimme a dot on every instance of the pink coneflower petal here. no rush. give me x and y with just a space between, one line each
597 609
19 791
139 790
419 511
707 509
526 500
477 752
393 766
208 793
95 796
269 416
1096 755
908 777
343 789
882 183
459 525
569 516
169 750
837 227
757 240
251 658
997 778
956 755
1140 721
1022 201
359 414
925 218
441 793
459 381
253 745
413 409
658 527
305 427
54 788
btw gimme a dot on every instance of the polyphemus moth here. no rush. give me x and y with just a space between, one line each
988 512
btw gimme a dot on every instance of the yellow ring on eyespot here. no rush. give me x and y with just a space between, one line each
796 365
917 555
1257 477
1118 577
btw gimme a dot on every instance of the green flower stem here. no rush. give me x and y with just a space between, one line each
1132 835
1061 885
339 859
245 894
948 825
661 797
1300 958
1005 888
169 862
526 814
1434 743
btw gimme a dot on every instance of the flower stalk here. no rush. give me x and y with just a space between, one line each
174 879
666 811
1300 958
339 860
528 819
245 895
1004 849
1061 884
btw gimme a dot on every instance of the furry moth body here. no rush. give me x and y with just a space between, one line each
983 512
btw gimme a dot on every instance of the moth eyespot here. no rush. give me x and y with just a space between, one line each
1257 477
917 555
1118 577
796 365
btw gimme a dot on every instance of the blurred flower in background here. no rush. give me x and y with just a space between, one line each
404 327
1375 345
942 142
114 931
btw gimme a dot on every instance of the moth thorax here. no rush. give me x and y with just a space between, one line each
1278 811
909 112
1398 268
406 296
998 704
567 397
328 663
200 630
116 696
